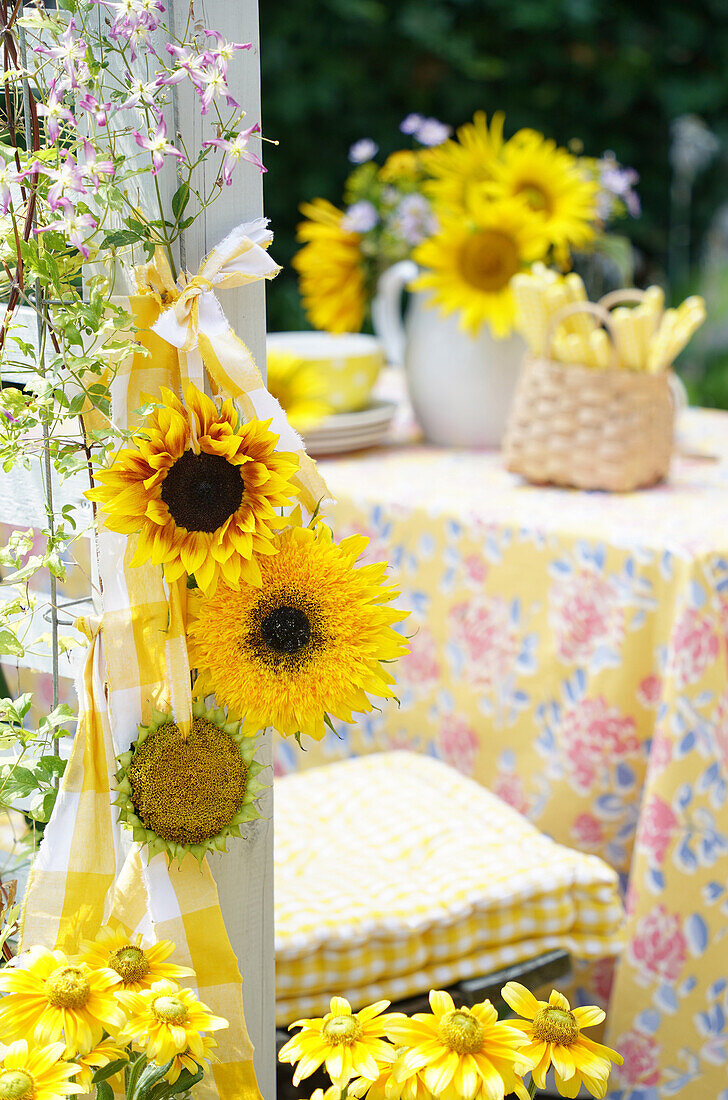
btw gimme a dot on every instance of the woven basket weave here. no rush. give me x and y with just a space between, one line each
590 429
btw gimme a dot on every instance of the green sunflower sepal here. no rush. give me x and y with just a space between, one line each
188 796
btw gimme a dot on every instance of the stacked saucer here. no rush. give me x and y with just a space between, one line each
351 431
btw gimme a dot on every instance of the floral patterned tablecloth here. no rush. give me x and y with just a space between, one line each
570 652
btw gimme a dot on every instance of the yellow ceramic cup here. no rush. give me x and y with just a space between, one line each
346 365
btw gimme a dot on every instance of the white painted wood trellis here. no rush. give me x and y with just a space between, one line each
244 875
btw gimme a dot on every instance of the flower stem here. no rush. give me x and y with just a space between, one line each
532 1087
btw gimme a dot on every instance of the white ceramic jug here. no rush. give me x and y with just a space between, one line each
461 386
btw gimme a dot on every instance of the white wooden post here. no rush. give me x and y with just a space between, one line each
245 875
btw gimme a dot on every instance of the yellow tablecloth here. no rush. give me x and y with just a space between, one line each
571 654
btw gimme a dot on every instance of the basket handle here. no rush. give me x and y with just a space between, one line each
615 297
597 310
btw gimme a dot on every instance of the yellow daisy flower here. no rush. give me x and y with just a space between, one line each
201 489
553 183
103 1054
36 1074
554 1033
461 1053
330 270
350 1044
469 263
404 166
298 387
166 1021
390 1086
307 644
136 967
187 1061
181 795
463 163
50 997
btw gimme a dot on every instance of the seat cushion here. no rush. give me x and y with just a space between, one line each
394 873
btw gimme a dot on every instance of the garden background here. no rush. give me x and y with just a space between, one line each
613 76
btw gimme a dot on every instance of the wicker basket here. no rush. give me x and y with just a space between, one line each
587 428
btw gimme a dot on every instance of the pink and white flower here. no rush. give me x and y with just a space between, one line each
224 51
458 743
658 948
588 832
8 179
695 646
649 692
483 626
595 737
69 180
657 826
236 150
420 668
56 113
73 227
71 53
641 1053
584 615
509 786
158 146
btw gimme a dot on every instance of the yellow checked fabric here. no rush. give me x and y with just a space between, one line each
138 660
570 653
409 876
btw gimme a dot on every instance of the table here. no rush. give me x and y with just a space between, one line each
570 652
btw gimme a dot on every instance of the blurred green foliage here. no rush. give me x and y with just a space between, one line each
612 74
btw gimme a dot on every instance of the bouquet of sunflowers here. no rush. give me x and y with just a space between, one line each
472 210
453 1053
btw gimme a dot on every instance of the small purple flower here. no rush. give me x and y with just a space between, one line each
411 124
360 217
69 180
55 112
91 168
72 226
71 53
617 182
90 105
158 146
413 220
225 51
363 150
432 132
139 92
235 151
214 83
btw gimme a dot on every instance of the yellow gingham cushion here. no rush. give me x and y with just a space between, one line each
394 873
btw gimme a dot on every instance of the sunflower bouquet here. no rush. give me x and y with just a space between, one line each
111 1018
452 1053
473 210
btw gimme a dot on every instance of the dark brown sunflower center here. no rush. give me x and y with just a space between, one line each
202 491
286 629
130 963
488 259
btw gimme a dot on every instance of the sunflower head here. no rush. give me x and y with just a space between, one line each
181 795
555 185
36 1073
350 1044
167 1021
134 965
307 644
331 270
201 489
554 1033
461 164
468 265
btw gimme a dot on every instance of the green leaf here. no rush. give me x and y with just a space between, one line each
180 199
149 1077
104 1091
185 1081
10 644
104 1072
